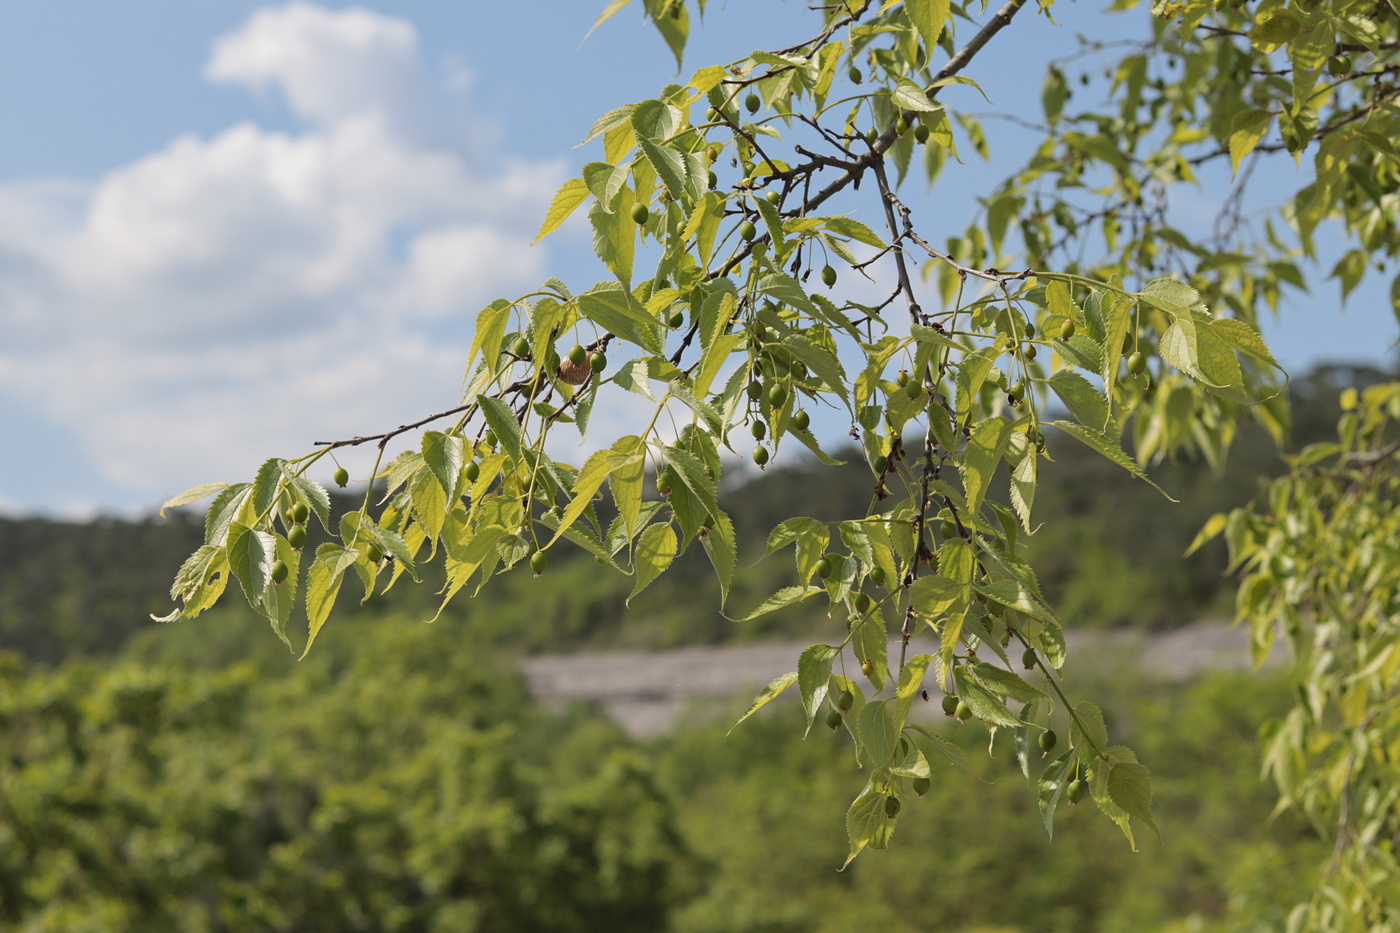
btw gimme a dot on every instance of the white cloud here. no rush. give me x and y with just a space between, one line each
330 65
227 298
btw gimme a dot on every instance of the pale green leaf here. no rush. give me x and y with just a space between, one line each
766 695
813 674
928 17
193 494
1246 129
656 548
569 196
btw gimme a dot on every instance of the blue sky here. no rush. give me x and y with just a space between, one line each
228 229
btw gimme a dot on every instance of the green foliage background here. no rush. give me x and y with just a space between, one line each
195 777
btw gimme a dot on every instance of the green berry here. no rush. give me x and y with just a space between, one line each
950 704
752 103
490 439
760 455
663 482
297 537
342 477
1047 740
877 576
871 135
828 276
578 355
1028 351
1067 329
373 554
901 126
521 348
774 197
844 700
755 389
855 75
640 213
922 785
597 362
912 389
676 319
1028 659
758 429
801 420
1030 330
881 464
862 603
867 667
833 720
921 133
1078 790
1339 65
473 471
891 807
948 530
300 513
280 571
902 379
538 562
1137 364
963 711
778 395
824 567
747 230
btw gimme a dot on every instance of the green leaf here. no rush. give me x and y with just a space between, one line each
266 485
1087 732
811 537
250 557
1193 346
669 164
1081 398
590 479
1246 129
615 235
1053 781
928 18
612 7
490 331
323 584
193 494
612 308
866 823
655 550
445 455
1109 447
910 96
1245 339
854 229
1130 787
502 421
911 680
719 547
876 731
312 492
784 597
948 749
985 704
569 196
766 695
981 458
813 674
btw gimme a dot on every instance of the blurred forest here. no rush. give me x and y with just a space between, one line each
196 777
